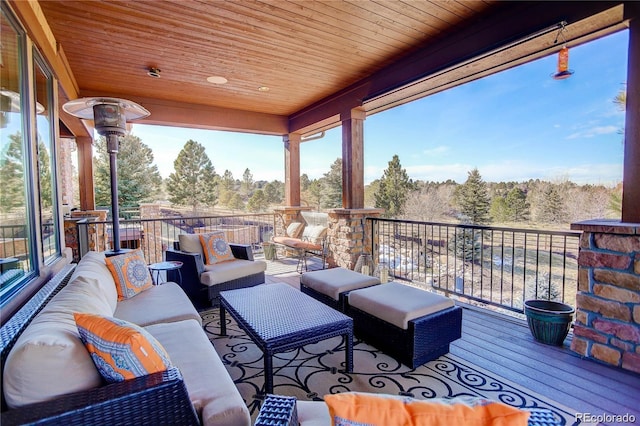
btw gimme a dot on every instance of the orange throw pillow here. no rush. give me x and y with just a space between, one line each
130 272
215 248
354 408
119 349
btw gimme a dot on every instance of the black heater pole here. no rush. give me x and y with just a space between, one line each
112 148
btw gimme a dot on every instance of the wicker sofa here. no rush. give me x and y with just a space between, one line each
203 283
49 377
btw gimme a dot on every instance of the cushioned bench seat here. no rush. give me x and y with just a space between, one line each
412 325
330 286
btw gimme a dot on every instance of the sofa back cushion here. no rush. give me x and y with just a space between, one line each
49 359
191 243
92 265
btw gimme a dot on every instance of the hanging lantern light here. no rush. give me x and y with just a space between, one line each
563 65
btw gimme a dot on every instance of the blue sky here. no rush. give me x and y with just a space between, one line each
513 126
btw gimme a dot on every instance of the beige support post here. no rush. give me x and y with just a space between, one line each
292 169
85 173
353 158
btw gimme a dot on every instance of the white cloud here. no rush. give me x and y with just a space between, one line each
438 150
594 131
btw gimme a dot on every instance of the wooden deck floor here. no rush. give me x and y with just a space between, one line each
503 345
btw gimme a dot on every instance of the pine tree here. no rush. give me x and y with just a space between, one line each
332 186
236 203
274 192
473 199
12 195
394 189
194 181
518 208
247 183
139 180
257 202
45 178
552 207
499 210
226 188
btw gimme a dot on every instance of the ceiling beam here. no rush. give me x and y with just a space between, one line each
196 116
506 22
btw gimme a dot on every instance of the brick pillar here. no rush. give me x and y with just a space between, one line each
152 242
349 235
607 326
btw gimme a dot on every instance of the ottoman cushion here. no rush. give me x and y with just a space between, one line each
397 303
332 282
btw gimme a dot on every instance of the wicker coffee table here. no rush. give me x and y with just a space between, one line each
279 318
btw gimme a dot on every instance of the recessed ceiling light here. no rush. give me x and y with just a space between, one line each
217 79
263 89
154 72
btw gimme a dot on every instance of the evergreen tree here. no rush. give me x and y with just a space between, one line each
236 203
552 207
139 180
304 182
246 187
499 210
518 208
257 202
12 193
226 188
315 193
473 199
194 181
45 178
394 189
274 192
466 244
332 186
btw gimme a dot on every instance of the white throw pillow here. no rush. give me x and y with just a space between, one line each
191 243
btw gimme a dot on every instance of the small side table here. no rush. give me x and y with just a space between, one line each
156 268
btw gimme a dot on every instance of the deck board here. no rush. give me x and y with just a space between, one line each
503 345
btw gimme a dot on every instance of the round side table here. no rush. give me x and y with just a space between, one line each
156 268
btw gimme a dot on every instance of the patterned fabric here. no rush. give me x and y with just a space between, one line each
354 408
215 248
120 350
130 272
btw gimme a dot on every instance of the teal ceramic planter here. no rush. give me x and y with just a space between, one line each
548 321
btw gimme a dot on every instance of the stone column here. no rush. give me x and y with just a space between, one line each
607 325
349 235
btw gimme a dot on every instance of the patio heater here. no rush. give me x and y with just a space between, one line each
110 117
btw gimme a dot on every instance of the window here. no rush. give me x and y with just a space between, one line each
49 220
29 220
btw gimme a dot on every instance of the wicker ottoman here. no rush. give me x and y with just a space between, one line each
412 325
330 286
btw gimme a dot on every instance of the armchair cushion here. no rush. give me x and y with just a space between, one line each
215 248
294 230
191 243
121 350
231 270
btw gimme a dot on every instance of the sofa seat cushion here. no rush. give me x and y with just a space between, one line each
297 243
210 387
332 282
49 359
231 270
397 303
161 303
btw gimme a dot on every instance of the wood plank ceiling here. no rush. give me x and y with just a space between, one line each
302 51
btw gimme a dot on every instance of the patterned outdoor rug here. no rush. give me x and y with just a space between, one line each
315 370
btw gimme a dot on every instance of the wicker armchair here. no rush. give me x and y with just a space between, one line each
193 267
